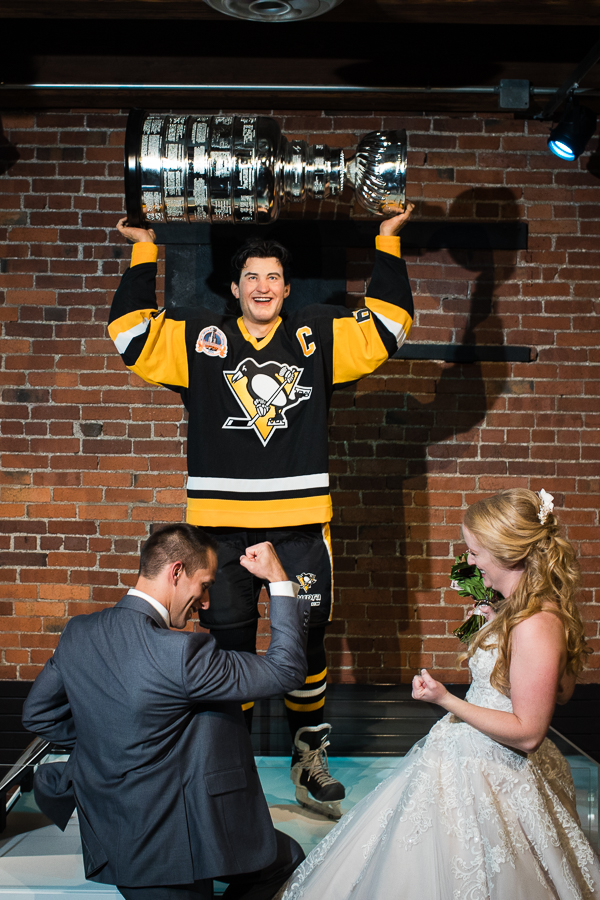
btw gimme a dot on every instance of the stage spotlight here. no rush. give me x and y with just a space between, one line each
568 139
273 10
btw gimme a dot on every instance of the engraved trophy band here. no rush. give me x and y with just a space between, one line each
193 168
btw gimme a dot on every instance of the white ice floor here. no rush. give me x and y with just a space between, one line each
43 863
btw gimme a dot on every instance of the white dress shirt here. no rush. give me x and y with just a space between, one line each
157 606
284 588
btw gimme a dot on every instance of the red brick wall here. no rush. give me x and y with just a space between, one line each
91 455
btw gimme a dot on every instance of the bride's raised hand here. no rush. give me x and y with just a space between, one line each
426 688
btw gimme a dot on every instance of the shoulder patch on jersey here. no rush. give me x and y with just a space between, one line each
362 315
212 341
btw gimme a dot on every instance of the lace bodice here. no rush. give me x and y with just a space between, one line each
481 692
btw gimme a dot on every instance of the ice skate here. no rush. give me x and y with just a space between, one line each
316 789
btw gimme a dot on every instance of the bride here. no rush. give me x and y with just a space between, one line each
483 808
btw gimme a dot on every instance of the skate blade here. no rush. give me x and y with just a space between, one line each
331 809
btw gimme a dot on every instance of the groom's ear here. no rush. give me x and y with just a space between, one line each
176 570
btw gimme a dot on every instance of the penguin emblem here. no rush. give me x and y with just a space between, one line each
266 393
306 580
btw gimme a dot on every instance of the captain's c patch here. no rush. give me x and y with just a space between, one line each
304 334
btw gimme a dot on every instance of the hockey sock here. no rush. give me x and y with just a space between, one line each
306 705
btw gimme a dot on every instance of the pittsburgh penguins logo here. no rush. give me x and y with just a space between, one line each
306 580
266 393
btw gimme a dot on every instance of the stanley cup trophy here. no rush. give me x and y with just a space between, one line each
236 169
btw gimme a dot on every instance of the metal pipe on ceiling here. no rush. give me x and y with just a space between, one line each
281 88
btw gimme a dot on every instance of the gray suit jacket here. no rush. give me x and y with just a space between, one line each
161 768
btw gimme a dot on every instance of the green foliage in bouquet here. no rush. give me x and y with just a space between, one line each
467 581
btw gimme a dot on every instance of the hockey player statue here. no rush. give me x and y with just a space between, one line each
265 380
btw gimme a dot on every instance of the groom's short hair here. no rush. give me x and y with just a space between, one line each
171 543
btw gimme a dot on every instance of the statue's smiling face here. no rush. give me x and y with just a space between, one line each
261 291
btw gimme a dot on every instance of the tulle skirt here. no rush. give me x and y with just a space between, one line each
462 818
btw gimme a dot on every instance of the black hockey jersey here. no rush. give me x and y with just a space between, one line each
258 408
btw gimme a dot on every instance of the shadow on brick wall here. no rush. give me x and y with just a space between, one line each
593 164
424 430
463 395
8 152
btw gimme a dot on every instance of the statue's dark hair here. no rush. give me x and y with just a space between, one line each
260 249
171 543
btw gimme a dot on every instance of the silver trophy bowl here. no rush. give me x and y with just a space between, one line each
377 171
241 169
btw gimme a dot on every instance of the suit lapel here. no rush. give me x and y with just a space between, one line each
130 601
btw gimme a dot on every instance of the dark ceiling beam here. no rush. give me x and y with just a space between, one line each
572 82
489 12
223 53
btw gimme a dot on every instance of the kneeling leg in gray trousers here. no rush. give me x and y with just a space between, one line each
260 885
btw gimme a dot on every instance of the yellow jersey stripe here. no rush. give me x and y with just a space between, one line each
163 359
326 530
388 243
143 252
357 349
259 513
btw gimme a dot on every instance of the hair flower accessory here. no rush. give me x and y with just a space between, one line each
546 505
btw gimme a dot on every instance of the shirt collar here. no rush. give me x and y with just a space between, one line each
164 612
258 344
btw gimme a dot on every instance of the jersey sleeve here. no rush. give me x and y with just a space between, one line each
151 343
362 341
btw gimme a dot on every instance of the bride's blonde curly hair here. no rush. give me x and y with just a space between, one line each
508 526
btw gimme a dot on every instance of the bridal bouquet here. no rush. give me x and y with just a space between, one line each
468 582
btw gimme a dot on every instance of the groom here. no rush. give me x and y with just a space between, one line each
161 768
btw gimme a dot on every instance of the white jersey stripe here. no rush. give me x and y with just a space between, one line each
259 485
395 327
123 340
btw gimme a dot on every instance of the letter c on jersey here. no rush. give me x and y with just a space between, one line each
302 334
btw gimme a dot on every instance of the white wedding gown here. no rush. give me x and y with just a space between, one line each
463 818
